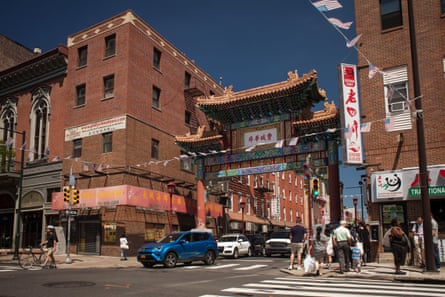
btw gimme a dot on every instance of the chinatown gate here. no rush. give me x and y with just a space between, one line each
266 129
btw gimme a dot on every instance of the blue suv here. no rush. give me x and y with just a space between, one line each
179 247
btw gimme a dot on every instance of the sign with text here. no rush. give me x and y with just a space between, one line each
351 113
96 128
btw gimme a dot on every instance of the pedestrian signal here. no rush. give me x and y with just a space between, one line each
66 194
76 196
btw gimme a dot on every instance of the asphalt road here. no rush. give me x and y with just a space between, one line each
193 280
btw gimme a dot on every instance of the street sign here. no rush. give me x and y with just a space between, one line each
71 212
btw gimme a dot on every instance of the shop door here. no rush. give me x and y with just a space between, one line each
32 228
89 237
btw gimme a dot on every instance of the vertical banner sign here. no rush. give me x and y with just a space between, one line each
351 112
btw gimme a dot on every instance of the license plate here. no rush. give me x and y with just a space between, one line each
142 257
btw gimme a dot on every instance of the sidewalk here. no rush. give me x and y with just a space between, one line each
384 271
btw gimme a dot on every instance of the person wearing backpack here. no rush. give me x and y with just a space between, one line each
399 243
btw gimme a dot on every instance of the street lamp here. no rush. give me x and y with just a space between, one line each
19 198
171 186
354 200
242 205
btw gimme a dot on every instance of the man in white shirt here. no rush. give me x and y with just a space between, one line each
419 247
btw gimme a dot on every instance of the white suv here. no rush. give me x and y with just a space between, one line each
234 245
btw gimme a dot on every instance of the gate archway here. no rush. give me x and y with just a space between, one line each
266 129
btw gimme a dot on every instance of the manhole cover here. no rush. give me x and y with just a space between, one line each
72 284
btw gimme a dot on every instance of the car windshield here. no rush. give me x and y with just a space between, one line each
169 238
227 238
280 235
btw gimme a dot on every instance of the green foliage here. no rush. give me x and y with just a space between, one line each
7 156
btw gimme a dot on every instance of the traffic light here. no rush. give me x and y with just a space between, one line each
76 196
315 187
66 194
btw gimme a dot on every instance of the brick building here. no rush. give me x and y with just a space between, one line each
13 53
388 103
105 110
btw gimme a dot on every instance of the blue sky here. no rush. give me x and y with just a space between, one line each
247 43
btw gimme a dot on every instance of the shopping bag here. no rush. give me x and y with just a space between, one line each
309 264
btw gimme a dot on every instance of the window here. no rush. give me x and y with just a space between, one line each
397 106
109 86
77 148
8 120
442 6
156 58
187 79
107 140
156 97
82 53
391 13
39 123
80 94
110 45
155 149
188 117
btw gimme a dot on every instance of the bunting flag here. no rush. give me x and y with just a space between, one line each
293 141
166 162
372 71
389 124
327 5
56 158
340 24
365 127
279 144
99 168
390 92
9 142
354 41
85 166
331 130
47 152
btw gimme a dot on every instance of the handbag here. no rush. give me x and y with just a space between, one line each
330 247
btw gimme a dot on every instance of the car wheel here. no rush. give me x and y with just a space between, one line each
235 254
209 258
249 252
170 260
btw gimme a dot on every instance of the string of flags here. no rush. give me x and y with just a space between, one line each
327 6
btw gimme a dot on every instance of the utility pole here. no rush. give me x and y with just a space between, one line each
427 227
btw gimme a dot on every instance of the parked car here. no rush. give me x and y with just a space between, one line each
179 247
258 244
278 243
234 245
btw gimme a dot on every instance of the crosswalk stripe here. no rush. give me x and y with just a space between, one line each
315 287
365 285
222 266
251 267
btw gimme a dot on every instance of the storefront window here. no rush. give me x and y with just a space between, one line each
154 232
110 233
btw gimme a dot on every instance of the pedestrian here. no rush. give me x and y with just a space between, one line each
363 237
51 246
419 245
435 229
124 246
398 241
356 256
298 235
341 240
319 248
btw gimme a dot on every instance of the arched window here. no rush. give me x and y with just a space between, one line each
39 124
8 120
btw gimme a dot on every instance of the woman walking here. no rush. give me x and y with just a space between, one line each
399 243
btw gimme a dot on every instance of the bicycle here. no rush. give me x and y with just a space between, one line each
29 259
